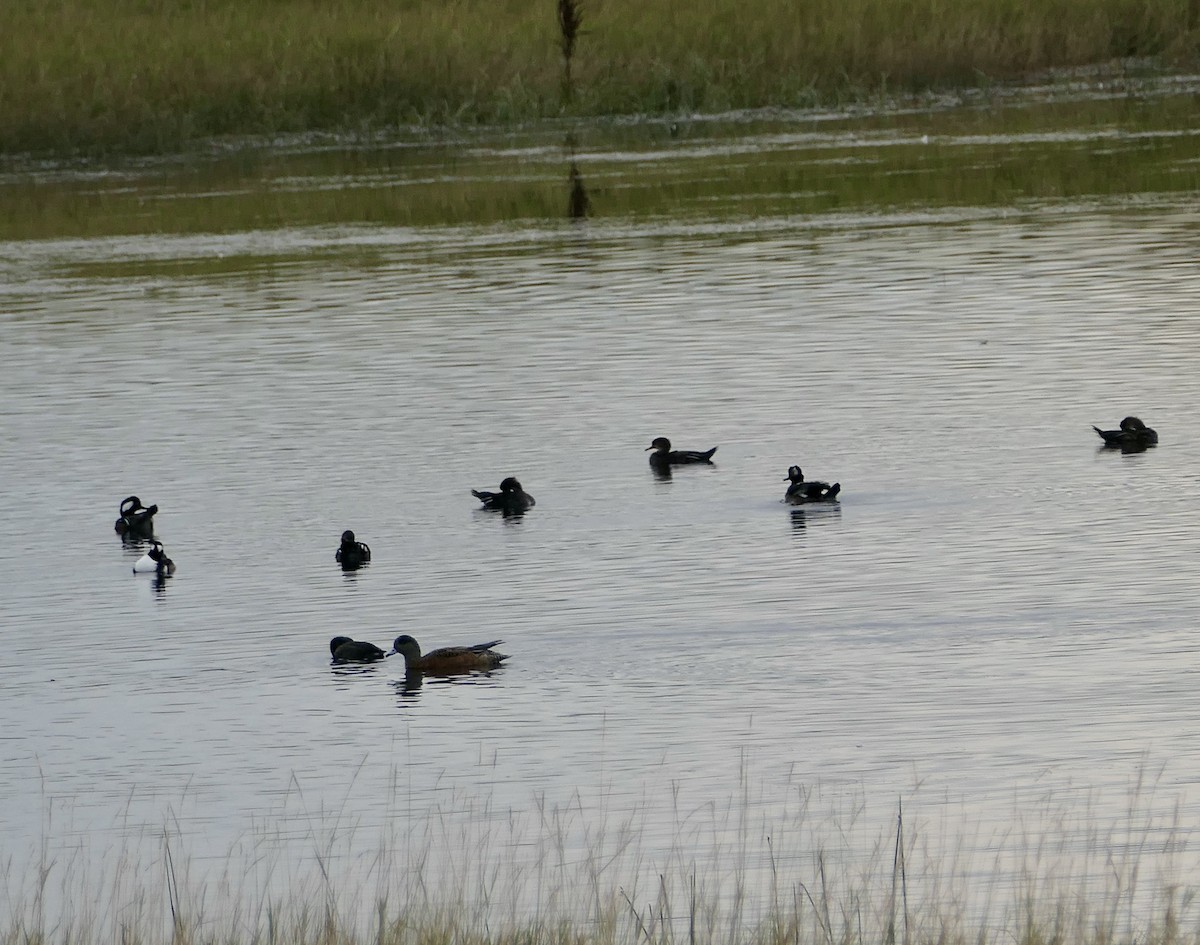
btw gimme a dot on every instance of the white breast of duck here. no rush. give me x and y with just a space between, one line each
154 561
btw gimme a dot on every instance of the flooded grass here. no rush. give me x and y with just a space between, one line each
988 152
95 76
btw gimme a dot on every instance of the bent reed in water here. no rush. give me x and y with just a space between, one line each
106 75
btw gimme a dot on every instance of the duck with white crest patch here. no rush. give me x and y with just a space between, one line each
154 561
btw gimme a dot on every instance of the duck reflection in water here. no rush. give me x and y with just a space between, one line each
410 686
814 515
408 689
578 203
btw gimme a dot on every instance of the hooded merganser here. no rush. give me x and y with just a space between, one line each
801 491
154 561
136 520
510 499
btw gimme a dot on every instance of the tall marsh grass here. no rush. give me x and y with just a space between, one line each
153 75
820 870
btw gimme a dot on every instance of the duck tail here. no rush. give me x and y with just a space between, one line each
709 454
833 490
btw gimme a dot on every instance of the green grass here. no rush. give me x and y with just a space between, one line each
94 76
1019 152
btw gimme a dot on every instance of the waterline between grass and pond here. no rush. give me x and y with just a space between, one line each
1033 147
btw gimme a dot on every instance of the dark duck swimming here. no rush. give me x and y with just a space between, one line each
511 499
352 554
449 660
664 457
136 520
154 561
802 491
1132 436
346 650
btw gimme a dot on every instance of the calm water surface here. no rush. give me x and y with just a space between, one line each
997 623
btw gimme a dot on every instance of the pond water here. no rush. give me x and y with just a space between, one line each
994 628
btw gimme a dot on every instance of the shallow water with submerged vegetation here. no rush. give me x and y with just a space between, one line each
722 718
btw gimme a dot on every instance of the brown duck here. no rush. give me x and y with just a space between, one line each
448 660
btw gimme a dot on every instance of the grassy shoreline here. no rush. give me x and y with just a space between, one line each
791 866
1040 889
150 76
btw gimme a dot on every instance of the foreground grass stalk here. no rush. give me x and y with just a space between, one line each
1060 885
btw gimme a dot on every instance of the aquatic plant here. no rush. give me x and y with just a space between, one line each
1021 150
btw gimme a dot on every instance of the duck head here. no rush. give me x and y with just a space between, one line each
406 646
795 474
660 444
336 642
130 505
348 537
510 485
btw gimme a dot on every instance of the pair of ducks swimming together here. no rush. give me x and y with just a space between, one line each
447 661
352 554
137 521
799 492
